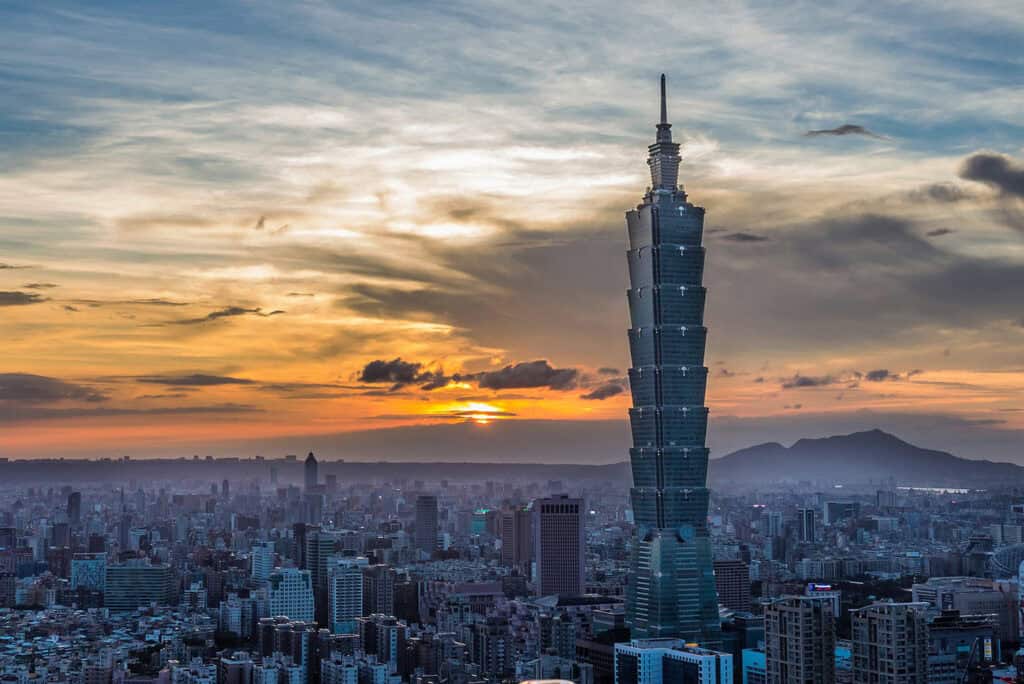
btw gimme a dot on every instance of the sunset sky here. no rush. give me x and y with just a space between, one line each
234 228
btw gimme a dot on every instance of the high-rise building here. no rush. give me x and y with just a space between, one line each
800 641
974 596
379 590
516 537
672 585
426 523
136 583
890 643
807 525
75 508
320 546
345 593
558 545
654 661
261 560
290 594
89 571
310 469
732 582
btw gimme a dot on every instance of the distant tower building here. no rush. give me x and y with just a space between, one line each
800 641
558 545
890 643
732 581
807 525
426 523
291 594
311 472
320 546
345 593
225 489
516 537
75 508
671 591
379 590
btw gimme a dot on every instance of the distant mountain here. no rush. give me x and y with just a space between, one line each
859 457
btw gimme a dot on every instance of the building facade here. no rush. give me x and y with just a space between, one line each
800 641
890 643
672 587
558 545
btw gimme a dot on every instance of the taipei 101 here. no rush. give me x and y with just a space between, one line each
481 342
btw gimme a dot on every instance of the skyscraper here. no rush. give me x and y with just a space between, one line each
345 593
290 593
558 545
807 533
311 471
426 523
732 582
672 586
75 508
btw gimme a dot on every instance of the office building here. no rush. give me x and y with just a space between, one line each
290 594
345 593
516 537
974 596
754 667
89 571
75 508
658 661
800 641
732 582
672 588
558 545
956 641
426 523
321 545
835 512
261 560
807 530
136 584
379 590
310 469
890 643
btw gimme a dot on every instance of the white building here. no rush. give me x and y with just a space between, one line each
290 592
345 592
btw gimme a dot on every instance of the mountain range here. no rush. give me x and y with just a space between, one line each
860 457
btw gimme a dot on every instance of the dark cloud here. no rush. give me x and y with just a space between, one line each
11 267
995 170
528 374
608 371
156 301
194 380
798 381
941 192
27 388
939 232
743 237
300 294
9 414
396 371
16 298
879 375
227 312
169 395
39 286
68 307
845 129
602 392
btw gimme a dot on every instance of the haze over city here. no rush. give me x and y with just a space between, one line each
258 228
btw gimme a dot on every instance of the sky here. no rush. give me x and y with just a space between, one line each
391 229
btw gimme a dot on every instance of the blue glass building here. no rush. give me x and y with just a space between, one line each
672 586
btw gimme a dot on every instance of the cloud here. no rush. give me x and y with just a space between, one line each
39 286
602 392
798 381
11 414
16 298
995 170
11 267
27 388
194 380
941 192
68 307
396 371
879 375
744 237
227 312
608 371
845 129
528 374
939 232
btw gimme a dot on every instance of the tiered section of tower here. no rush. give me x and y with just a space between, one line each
672 588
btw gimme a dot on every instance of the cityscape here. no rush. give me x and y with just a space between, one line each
189 496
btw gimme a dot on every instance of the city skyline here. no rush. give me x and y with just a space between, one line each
231 231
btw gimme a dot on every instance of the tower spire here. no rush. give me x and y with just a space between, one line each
664 107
